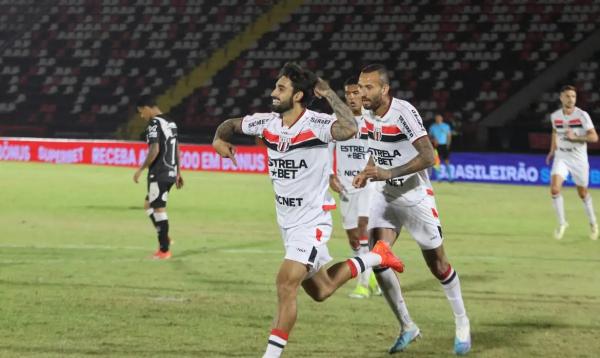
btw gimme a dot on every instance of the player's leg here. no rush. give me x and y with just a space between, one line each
391 290
159 193
422 222
290 275
324 282
558 175
150 212
580 172
358 240
385 226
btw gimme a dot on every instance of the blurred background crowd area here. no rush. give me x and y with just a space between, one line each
493 69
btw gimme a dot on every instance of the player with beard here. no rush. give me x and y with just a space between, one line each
401 153
299 167
350 158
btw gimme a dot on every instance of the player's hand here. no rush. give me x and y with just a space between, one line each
360 180
321 88
549 158
179 182
335 184
136 176
225 149
569 135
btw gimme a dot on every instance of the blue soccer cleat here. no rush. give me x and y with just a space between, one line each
405 338
462 341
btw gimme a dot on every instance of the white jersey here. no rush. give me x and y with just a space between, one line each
390 144
351 156
580 122
299 164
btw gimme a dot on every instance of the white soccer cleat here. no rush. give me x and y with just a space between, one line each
594 232
560 231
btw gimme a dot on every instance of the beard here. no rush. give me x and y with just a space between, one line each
283 106
373 103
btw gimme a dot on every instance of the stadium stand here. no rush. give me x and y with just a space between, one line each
76 71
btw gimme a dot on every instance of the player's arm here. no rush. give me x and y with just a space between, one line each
449 138
150 158
423 160
179 179
552 148
590 136
361 179
345 126
223 135
334 181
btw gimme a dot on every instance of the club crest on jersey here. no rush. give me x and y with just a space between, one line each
377 133
284 144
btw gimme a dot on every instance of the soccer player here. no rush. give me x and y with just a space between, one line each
441 133
299 167
401 152
351 158
162 162
572 129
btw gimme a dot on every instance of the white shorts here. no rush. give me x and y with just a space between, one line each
419 215
307 244
355 205
579 170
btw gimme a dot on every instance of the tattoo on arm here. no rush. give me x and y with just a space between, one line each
423 160
226 129
345 127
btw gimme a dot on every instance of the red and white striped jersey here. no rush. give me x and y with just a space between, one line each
580 122
390 144
299 164
351 156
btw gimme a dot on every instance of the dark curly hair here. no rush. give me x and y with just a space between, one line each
302 81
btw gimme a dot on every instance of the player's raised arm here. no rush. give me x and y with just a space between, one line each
153 151
223 135
345 127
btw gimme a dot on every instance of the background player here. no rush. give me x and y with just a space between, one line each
299 167
572 129
351 157
441 134
401 152
162 162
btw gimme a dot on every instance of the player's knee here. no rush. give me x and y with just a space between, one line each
321 295
554 190
439 269
582 192
286 289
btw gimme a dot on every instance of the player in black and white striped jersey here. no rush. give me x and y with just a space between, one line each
162 162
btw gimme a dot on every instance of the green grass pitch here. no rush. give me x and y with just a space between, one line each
76 281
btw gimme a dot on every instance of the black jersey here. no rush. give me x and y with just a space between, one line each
163 132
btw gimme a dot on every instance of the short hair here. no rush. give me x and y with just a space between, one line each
302 80
353 80
146 101
568 88
379 68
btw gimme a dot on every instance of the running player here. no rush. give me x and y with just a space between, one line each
572 129
351 158
299 167
162 162
401 152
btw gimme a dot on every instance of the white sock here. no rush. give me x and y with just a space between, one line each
451 286
277 341
589 209
363 278
559 207
390 287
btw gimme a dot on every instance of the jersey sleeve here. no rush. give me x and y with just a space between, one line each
255 123
321 126
587 122
152 131
410 123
